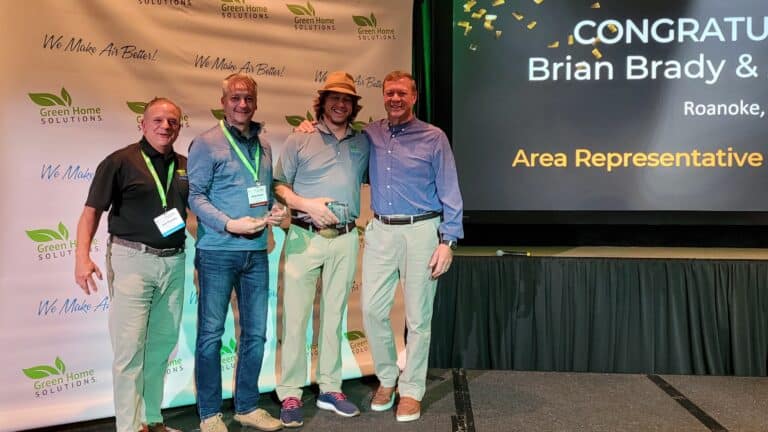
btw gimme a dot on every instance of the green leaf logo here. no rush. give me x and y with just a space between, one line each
355 335
44 371
218 114
295 120
231 348
364 21
45 235
137 107
63 231
359 125
50 99
66 97
301 10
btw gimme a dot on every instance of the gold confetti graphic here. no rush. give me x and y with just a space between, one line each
479 14
488 24
492 21
466 26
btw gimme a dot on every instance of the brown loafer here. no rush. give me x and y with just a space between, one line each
408 409
383 399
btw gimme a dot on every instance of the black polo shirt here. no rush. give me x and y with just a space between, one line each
124 185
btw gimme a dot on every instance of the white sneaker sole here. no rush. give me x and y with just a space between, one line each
408 418
329 407
385 407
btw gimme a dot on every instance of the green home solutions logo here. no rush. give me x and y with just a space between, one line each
306 19
357 341
58 109
228 354
368 29
51 380
242 10
52 244
139 107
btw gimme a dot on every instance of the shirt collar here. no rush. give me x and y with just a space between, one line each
395 129
154 154
323 127
255 129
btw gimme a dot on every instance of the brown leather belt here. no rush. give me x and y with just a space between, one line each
406 220
327 232
144 248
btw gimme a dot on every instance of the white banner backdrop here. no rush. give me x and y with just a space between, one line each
74 80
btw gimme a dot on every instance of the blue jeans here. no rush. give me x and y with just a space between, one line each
218 272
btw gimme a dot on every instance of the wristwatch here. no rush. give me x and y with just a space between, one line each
450 243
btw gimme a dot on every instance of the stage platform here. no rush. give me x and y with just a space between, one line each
622 252
475 400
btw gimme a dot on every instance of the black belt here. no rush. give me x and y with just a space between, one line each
147 249
406 220
341 228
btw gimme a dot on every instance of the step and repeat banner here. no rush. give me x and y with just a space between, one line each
75 78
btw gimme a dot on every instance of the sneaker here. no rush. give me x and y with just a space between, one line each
409 409
338 403
259 419
213 424
290 413
383 399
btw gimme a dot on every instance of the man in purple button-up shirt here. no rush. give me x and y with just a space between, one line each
418 209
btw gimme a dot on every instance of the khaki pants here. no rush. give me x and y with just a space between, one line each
399 253
146 293
309 256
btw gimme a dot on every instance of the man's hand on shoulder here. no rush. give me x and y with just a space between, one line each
306 126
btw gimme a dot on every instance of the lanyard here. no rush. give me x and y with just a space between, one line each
152 171
245 160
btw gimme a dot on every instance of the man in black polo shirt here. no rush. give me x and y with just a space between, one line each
144 186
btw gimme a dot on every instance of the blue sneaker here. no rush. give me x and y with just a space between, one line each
290 413
338 403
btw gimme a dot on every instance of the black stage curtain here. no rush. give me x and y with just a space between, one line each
669 316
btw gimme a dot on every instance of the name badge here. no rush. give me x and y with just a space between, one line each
257 195
169 222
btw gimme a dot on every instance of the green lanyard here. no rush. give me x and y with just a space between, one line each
245 160
157 179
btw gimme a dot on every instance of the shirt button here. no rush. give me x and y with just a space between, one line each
387 168
390 203
387 186
389 151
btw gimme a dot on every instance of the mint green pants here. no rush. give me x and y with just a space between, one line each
146 297
309 256
399 253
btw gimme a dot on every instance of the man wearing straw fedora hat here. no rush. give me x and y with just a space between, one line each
319 175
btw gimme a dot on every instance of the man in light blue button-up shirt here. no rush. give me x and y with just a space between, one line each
417 220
